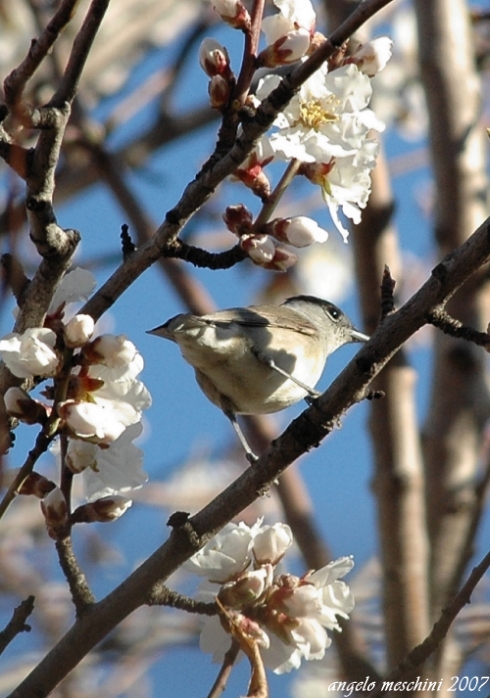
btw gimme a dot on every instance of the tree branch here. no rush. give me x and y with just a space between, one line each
304 433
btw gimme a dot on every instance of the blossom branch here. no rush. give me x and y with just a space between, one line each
214 172
251 43
17 624
439 631
304 433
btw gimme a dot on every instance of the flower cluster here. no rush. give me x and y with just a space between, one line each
96 400
324 130
325 127
287 616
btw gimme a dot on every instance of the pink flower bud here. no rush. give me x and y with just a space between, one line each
79 330
300 231
282 260
102 510
285 50
219 92
214 59
233 12
372 56
19 404
238 219
260 248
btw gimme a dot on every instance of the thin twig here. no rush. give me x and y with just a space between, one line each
439 631
15 83
224 673
160 595
440 318
17 624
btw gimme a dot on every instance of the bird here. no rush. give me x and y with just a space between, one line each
260 359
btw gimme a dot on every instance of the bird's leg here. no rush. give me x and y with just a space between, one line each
312 394
249 454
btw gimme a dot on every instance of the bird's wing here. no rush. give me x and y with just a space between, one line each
262 316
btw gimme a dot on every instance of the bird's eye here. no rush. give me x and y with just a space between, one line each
334 313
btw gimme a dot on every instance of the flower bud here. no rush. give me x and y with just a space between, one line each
233 12
372 56
113 351
55 512
237 219
214 59
102 510
219 92
37 485
285 50
247 589
79 330
260 248
19 404
282 260
300 231
271 543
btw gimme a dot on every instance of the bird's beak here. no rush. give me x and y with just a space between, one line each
359 336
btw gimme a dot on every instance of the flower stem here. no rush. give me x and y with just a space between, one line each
272 201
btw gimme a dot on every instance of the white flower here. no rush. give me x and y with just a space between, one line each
31 353
290 615
288 48
293 14
82 454
117 469
79 330
372 56
117 399
271 543
226 555
348 185
327 118
75 286
113 351
89 420
326 125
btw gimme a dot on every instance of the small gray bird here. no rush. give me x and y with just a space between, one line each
263 358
